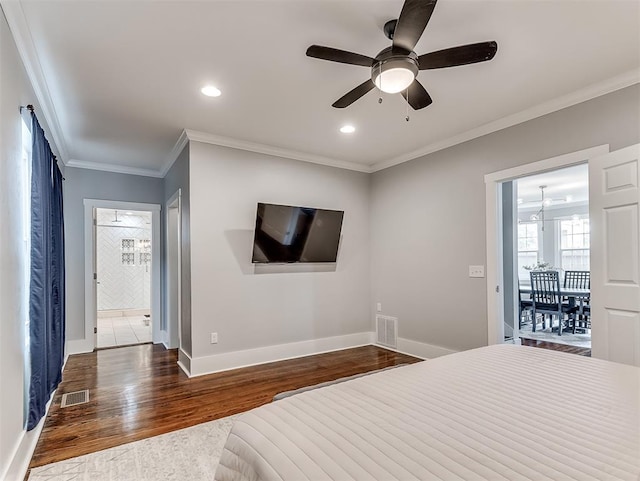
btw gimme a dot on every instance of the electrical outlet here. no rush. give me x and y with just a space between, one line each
214 338
379 306
476 271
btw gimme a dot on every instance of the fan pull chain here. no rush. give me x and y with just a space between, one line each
407 117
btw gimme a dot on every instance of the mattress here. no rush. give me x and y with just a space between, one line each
501 412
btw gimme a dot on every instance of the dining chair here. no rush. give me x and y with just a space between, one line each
580 280
545 294
525 307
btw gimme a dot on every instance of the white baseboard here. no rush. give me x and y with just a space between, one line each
250 357
420 349
184 362
164 339
78 346
22 457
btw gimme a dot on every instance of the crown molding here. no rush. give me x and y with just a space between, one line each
175 152
592 91
207 138
26 49
117 169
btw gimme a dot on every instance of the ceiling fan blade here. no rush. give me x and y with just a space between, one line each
413 19
463 55
418 97
354 95
342 56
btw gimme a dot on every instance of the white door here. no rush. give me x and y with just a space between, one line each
614 211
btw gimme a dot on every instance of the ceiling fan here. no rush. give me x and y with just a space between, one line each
395 68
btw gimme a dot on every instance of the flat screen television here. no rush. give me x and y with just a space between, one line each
287 233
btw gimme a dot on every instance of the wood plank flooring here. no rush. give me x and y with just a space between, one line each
554 346
139 391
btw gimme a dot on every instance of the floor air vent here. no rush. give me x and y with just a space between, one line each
75 398
387 331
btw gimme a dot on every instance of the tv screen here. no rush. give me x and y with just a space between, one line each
286 233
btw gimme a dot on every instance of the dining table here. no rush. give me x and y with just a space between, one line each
573 294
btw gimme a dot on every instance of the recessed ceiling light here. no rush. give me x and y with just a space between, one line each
210 91
568 198
347 129
129 213
520 201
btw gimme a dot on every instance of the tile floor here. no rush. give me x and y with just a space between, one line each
121 331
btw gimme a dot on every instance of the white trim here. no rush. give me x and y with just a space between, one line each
418 349
592 91
25 447
184 362
251 357
175 153
78 346
174 337
275 151
118 169
90 307
495 316
29 55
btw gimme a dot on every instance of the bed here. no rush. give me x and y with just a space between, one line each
500 412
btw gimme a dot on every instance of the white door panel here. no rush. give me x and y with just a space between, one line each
614 211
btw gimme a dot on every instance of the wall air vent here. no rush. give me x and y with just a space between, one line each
387 331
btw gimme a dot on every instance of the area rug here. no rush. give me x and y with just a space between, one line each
567 338
188 454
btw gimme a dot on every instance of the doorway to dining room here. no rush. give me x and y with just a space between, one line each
546 250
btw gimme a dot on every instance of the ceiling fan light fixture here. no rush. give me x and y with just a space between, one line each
210 91
394 74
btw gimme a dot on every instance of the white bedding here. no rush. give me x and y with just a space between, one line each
495 413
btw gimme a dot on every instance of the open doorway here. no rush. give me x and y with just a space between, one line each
547 252
123 287
131 252
499 285
614 217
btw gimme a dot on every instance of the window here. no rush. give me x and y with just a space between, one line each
574 244
25 164
527 247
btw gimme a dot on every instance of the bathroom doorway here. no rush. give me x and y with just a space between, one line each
123 284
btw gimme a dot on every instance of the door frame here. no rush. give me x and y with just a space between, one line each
495 282
90 291
173 334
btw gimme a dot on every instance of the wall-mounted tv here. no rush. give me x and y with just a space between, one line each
286 233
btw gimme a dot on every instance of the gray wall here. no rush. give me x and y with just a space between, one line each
428 216
83 184
15 90
509 253
178 178
251 307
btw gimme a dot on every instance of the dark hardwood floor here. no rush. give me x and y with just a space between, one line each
580 351
139 391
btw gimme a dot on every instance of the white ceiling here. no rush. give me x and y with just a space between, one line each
570 181
122 78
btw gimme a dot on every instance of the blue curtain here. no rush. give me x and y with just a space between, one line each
47 293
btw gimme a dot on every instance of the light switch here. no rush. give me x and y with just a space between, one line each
476 271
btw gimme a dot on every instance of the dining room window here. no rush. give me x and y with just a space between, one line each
574 244
527 248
